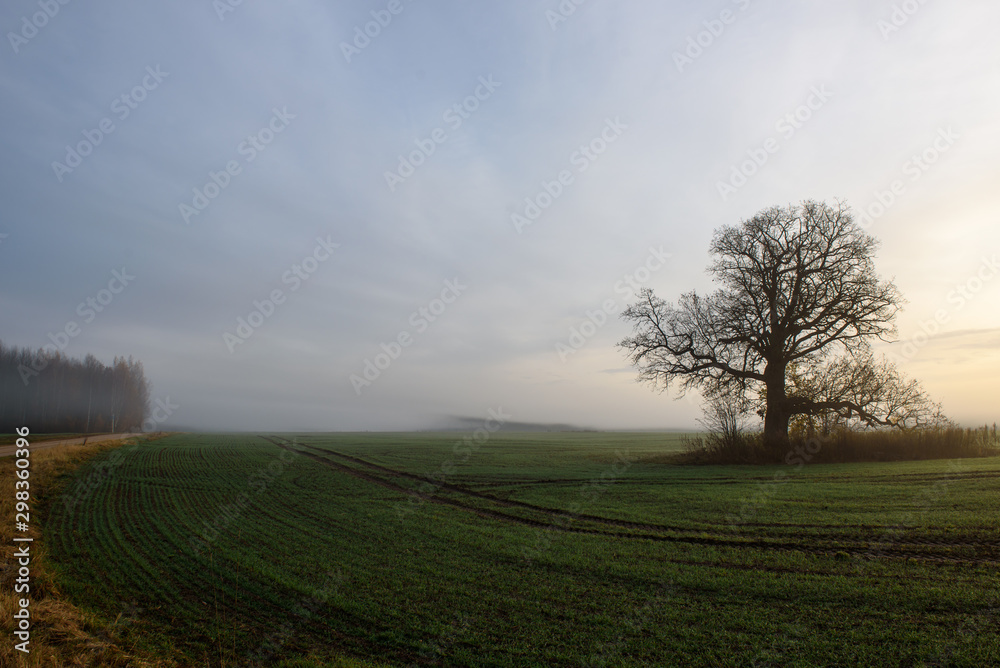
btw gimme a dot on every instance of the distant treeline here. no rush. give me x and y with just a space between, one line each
51 393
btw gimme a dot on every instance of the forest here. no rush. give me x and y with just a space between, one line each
53 393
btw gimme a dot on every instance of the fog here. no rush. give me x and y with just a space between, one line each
382 216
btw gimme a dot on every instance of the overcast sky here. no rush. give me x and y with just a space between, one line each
371 159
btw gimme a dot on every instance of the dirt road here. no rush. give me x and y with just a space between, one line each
8 450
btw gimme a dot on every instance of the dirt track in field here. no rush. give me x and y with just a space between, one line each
925 550
8 450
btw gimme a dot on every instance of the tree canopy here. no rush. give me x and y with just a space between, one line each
49 392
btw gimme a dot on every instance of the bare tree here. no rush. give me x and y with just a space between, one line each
798 288
725 420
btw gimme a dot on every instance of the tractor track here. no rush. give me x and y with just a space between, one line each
900 550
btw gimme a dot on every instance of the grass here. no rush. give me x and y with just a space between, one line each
62 634
552 549
843 446
895 445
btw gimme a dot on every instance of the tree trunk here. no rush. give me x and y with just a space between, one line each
777 415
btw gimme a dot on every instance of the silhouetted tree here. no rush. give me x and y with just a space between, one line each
798 291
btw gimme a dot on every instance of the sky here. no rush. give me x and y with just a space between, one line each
405 214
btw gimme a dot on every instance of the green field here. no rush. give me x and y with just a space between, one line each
528 550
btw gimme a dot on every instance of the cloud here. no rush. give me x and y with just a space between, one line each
324 174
